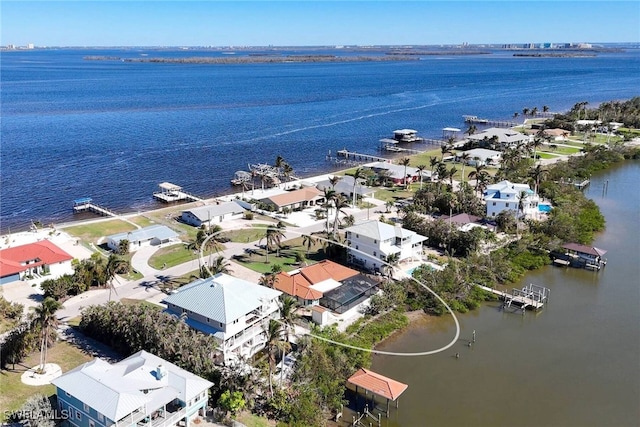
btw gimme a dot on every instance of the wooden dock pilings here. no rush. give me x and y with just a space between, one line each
530 296
357 157
490 122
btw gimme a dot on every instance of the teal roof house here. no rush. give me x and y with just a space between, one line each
142 390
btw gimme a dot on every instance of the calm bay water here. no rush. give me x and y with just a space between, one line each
113 130
575 363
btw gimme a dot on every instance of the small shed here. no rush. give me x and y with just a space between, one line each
378 385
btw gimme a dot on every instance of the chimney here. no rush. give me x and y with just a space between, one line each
160 372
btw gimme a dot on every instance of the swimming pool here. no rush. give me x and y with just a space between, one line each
544 208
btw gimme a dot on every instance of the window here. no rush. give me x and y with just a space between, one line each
92 423
100 417
208 320
356 247
67 394
374 253
507 204
85 407
494 203
78 415
375 241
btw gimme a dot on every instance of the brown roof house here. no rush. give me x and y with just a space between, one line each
295 200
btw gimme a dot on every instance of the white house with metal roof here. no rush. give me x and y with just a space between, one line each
397 172
481 156
147 236
506 196
212 214
236 312
373 241
502 137
141 390
345 186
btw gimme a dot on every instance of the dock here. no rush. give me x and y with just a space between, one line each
170 193
531 296
86 204
489 122
352 155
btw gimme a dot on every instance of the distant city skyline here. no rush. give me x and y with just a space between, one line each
315 23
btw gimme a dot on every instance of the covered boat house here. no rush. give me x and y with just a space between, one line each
375 386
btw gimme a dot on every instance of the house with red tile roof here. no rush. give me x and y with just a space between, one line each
34 259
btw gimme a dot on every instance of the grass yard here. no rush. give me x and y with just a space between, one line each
560 150
129 301
256 258
171 256
544 155
252 233
94 231
250 420
13 392
393 193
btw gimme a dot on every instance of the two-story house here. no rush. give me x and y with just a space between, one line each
236 312
373 243
507 196
142 390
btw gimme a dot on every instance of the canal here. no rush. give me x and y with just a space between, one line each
575 363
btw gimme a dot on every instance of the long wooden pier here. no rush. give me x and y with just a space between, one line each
361 157
86 204
490 122
531 296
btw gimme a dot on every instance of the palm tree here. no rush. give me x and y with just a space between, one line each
444 149
349 220
221 265
421 169
433 162
392 259
287 171
525 112
123 247
472 129
273 238
464 158
45 317
388 205
268 280
545 108
537 173
273 345
329 199
288 315
339 203
357 174
308 241
522 196
452 172
515 115
534 111
474 174
405 162
333 180
114 265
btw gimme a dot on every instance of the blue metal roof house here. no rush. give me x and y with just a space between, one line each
142 390
236 312
147 236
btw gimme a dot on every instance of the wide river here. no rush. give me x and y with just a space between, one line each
575 363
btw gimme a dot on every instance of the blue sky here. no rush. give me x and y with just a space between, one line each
297 23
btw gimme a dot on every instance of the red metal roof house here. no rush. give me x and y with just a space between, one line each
33 259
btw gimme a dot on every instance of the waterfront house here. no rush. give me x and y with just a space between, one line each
148 236
345 187
212 214
465 222
296 199
142 390
42 258
481 156
396 173
236 312
556 134
373 241
505 196
308 284
499 138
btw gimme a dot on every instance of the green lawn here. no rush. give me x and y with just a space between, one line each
13 392
250 420
546 155
129 301
94 231
256 260
560 150
171 256
245 235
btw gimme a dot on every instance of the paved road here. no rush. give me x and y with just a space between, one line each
147 288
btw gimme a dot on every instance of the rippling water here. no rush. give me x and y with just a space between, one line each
113 130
